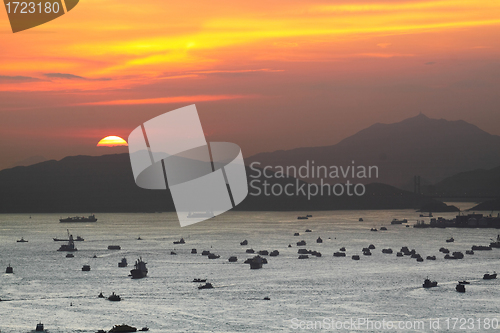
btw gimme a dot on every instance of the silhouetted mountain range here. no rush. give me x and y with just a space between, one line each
477 183
431 148
93 184
29 161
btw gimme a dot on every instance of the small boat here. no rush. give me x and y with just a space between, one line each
245 242
396 221
86 268
399 254
233 259
172 253
208 214
296 234
490 276
450 240
481 247
100 295
193 251
371 247
319 240
274 253
100 331
460 288
122 329
463 282
139 238
367 253
339 254
70 255
70 247
256 262
9 270
301 243
207 285
308 215
114 298
373 229
144 329
342 249
123 263
497 243
206 253
383 228
267 298
308 230
213 256
360 219
431 258
469 252
140 271
39 327
181 241
303 256
114 247
22 240
302 218
264 252
444 250
91 218
355 257
429 284
387 251
199 280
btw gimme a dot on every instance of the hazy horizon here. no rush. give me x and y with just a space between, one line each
100 151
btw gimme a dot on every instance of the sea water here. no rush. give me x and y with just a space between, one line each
317 294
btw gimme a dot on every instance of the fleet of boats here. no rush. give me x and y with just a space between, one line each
140 270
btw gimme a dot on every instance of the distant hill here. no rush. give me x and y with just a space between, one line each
431 148
476 183
29 161
95 184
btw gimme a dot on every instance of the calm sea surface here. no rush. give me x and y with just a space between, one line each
380 287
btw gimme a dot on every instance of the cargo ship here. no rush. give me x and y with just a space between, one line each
75 219
139 270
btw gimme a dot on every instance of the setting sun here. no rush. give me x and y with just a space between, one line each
112 141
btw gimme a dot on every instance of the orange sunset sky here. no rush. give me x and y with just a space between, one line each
266 75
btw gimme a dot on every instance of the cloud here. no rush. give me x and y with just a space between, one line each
168 100
64 76
238 72
17 78
383 45
71 77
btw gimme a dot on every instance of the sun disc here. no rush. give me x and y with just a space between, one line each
112 141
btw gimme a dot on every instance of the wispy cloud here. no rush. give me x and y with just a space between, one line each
18 78
64 76
168 100
67 76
